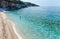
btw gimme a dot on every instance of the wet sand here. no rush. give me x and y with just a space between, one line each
6 27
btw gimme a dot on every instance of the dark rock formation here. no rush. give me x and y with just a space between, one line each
15 4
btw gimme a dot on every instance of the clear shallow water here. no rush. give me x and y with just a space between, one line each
37 22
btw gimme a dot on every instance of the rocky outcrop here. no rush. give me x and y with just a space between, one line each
15 4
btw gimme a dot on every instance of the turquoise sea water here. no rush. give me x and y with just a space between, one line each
37 22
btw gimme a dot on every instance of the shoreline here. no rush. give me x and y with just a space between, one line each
19 37
7 27
14 29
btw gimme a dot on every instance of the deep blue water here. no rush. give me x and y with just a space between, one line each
37 22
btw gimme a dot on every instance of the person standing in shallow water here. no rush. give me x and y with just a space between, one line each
20 17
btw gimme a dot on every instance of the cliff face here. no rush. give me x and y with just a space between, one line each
10 4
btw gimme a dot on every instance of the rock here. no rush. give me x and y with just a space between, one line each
15 4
